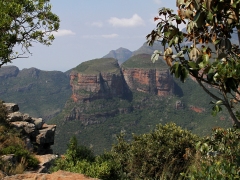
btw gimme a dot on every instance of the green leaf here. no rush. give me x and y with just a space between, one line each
192 65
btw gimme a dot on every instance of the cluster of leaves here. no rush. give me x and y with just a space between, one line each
22 23
188 51
217 156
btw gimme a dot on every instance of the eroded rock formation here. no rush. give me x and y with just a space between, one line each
39 136
153 81
87 87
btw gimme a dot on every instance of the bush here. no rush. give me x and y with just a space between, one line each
81 159
19 152
160 154
217 156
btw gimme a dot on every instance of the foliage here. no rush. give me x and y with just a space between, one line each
140 115
217 156
143 61
76 152
159 154
80 159
168 152
20 152
95 66
31 88
22 23
189 53
3 114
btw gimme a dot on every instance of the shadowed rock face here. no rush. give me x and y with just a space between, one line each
98 85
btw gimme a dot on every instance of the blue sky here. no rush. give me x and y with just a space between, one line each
89 29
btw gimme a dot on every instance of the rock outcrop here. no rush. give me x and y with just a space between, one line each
94 82
39 136
102 79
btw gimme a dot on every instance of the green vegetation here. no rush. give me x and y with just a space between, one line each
167 152
39 93
143 61
95 66
24 22
11 143
189 53
138 115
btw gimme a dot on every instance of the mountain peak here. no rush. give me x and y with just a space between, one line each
121 54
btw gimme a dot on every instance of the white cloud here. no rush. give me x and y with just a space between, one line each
100 36
63 32
110 36
97 24
135 20
158 1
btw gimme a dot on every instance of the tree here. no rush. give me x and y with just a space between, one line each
22 23
203 48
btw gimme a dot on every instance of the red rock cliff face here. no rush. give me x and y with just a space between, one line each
87 87
154 81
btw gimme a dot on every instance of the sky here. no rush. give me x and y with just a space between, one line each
89 29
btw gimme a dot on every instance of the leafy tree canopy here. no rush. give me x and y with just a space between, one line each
203 48
23 22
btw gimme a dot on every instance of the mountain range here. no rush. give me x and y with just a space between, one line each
98 99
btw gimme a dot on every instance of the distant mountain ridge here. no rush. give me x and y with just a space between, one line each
40 93
123 54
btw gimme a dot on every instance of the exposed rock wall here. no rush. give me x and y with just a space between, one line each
39 136
153 81
87 87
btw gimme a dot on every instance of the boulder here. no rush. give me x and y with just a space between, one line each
28 128
45 162
38 122
11 107
15 116
46 135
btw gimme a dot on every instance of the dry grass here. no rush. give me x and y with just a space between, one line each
12 169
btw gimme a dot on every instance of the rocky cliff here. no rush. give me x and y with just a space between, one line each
95 82
152 81
97 79
147 77
103 78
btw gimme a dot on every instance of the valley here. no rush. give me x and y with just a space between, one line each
99 99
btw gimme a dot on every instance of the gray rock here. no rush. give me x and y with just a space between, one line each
15 116
23 125
46 135
45 162
11 107
27 118
38 122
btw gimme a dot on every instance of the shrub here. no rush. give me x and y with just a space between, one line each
81 159
163 153
217 156
21 153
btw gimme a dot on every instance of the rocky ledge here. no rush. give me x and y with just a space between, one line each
38 135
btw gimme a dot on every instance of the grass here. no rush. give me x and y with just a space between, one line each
95 66
143 61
